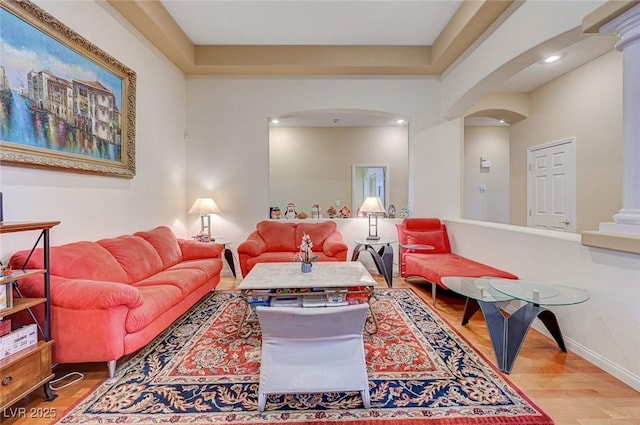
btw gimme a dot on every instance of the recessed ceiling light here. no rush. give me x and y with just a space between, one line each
400 121
552 59
275 121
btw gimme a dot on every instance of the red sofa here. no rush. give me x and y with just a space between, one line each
111 297
439 262
278 242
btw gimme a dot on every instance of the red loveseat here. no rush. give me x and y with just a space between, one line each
112 297
433 265
279 242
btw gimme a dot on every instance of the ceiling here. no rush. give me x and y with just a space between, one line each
329 38
305 22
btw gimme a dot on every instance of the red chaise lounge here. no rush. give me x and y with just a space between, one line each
433 265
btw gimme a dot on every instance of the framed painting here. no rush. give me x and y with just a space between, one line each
64 103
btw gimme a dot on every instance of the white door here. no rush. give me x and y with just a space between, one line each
551 188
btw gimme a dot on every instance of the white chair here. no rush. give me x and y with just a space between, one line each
312 350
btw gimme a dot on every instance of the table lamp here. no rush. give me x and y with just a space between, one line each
204 207
372 206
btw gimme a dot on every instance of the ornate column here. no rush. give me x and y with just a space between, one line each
627 28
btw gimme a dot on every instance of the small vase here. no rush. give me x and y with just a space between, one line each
306 267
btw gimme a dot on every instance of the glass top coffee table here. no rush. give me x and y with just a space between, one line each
338 280
508 332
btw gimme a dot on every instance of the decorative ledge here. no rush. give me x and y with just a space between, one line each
614 241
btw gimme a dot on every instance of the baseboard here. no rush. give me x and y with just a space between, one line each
611 368
592 357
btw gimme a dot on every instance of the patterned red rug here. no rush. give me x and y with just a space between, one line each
199 372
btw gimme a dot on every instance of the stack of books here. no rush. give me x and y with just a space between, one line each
314 300
259 297
286 301
336 297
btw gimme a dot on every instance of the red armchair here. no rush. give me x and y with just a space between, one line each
278 242
439 262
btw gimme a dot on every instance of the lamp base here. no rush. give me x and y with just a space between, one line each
373 238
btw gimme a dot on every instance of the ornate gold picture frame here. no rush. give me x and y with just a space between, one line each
64 103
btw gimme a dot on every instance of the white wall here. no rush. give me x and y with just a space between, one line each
491 204
436 160
605 329
228 132
89 206
586 104
529 33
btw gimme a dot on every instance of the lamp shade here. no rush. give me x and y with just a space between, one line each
372 205
204 206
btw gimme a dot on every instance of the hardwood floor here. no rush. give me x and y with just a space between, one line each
571 390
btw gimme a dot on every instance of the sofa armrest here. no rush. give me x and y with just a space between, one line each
253 246
83 294
195 250
334 244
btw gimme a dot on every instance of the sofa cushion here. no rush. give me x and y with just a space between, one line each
157 300
282 257
187 280
317 231
434 238
422 223
136 256
76 260
434 267
194 250
279 237
211 267
165 242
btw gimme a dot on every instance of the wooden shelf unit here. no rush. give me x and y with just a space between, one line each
26 370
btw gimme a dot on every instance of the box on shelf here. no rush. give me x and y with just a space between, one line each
17 340
6 295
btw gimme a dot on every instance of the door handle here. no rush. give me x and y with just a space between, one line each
566 222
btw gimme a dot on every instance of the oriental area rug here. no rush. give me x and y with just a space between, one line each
421 372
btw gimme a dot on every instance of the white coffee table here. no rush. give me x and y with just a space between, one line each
286 279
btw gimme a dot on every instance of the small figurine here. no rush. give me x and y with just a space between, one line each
315 211
345 212
275 213
291 211
392 211
404 213
331 212
6 270
302 215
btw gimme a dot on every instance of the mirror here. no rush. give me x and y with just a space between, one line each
311 160
369 180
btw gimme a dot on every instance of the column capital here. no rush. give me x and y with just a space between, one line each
625 26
